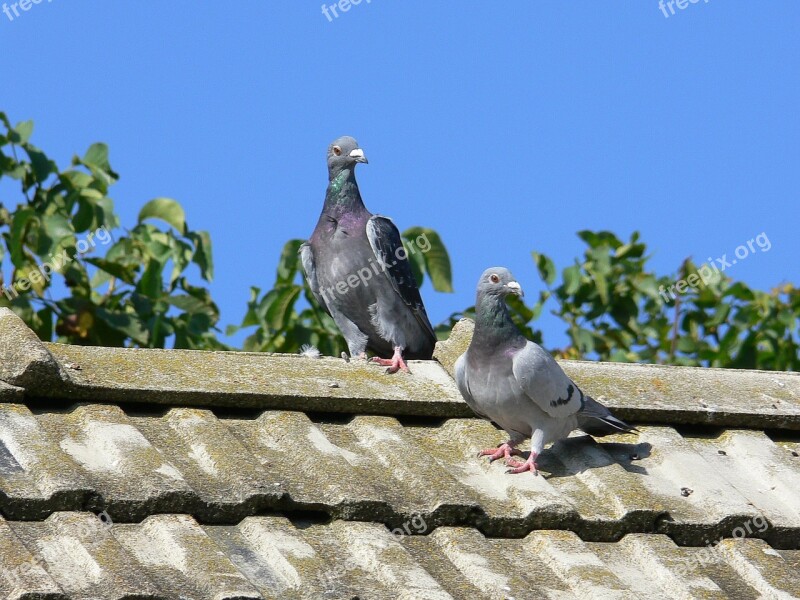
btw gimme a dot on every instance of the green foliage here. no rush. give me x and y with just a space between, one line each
617 310
284 326
610 302
137 294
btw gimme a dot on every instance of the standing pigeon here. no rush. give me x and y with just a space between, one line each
359 273
514 382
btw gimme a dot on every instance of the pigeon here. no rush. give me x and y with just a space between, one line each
506 378
358 271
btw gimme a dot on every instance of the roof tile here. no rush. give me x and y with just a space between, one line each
293 501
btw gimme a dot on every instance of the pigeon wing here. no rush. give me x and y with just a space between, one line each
310 269
384 238
544 382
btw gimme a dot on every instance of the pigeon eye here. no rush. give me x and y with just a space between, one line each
494 278
337 151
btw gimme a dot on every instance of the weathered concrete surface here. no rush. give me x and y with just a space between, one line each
448 351
21 574
11 393
83 558
374 468
692 395
254 380
640 393
24 361
74 555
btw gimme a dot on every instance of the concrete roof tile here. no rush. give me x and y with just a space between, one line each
11 393
24 361
83 558
127 474
74 555
21 575
253 380
182 561
375 468
292 501
35 476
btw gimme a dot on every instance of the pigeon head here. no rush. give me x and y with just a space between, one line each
498 282
344 153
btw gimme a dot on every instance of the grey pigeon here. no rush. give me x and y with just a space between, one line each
514 382
357 269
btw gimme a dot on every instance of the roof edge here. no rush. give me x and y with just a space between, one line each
637 392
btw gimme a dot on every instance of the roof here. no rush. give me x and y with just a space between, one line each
236 475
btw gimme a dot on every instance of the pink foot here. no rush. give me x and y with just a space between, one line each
502 451
395 364
521 467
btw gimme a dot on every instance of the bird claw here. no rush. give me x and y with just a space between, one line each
395 364
505 450
520 467
346 357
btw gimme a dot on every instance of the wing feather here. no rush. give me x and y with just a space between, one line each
384 238
544 382
310 269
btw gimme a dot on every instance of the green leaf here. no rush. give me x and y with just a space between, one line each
572 279
84 217
546 267
437 260
600 238
22 132
191 304
126 273
57 227
96 160
281 307
167 210
202 253
106 217
584 341
91 193
416 262
42 166
289 261
600 261
740 291
601 285
76 180
151 282
97 155
24 218
128 324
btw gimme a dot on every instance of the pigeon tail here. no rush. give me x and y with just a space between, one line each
596 420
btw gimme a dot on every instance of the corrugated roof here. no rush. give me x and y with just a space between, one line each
233 475
75 555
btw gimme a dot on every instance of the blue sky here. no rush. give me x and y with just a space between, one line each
507 127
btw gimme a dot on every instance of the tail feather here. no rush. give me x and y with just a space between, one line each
596 420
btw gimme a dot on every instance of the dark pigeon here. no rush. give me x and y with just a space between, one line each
514 382
357 270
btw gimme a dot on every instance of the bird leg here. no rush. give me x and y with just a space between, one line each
521 467
346 357
502 451
395 364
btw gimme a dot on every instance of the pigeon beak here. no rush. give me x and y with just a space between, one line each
515 288
358 155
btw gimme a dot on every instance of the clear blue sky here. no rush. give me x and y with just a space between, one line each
507 127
